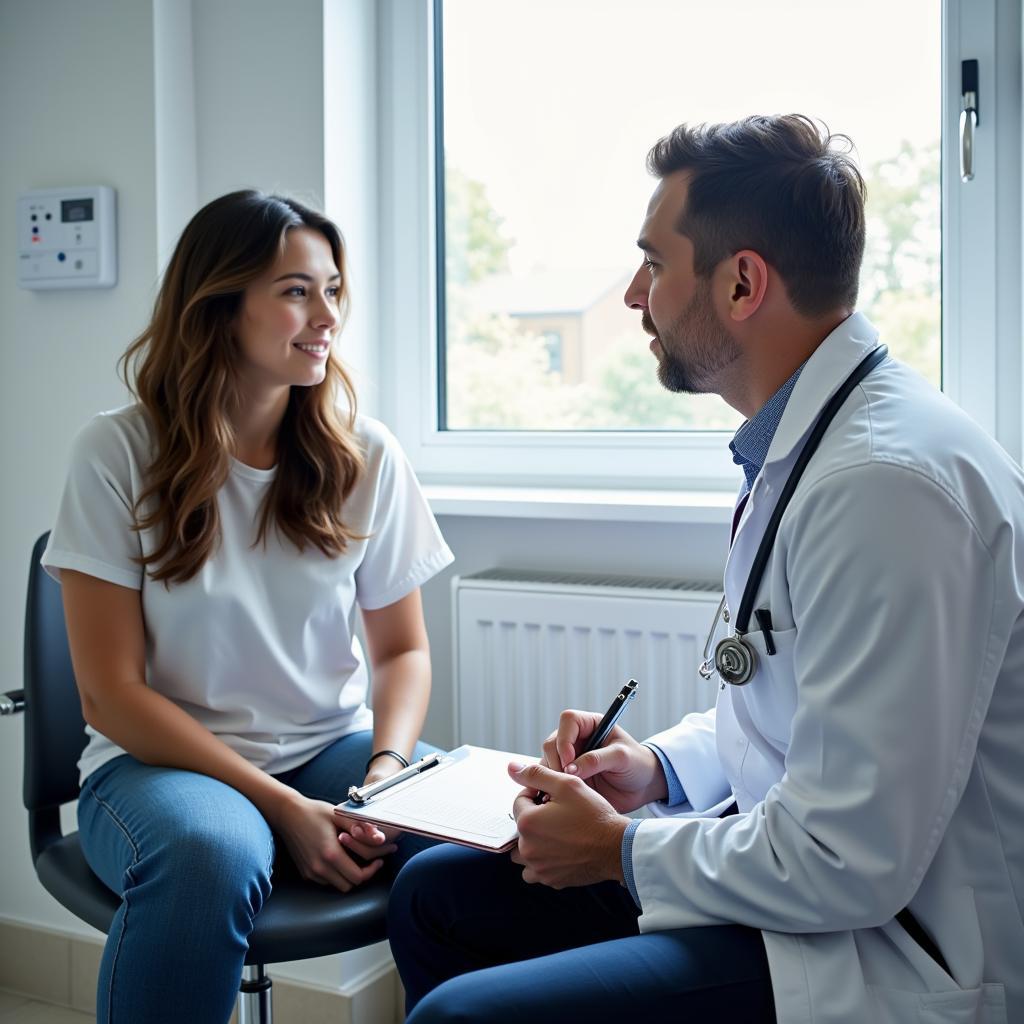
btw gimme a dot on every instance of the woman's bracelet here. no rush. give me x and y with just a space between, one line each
390 753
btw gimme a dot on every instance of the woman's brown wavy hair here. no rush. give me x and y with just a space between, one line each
182 370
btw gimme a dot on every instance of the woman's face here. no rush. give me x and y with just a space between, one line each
289 316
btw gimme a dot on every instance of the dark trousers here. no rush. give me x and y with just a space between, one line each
475 943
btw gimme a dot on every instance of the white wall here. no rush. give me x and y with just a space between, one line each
82 116
259 90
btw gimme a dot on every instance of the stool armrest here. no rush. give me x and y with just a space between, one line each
12 702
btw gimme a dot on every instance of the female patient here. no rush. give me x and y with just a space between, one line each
213 542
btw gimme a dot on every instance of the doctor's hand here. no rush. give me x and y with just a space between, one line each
625 772
322 845
575 838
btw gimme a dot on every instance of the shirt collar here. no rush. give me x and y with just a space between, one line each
751 442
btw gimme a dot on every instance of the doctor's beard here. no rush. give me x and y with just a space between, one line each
695 348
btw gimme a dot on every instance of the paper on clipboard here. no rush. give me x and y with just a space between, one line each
466 799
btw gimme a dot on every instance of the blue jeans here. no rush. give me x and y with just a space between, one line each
473 942
192 859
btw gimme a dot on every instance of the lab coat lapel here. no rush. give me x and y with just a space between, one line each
823 374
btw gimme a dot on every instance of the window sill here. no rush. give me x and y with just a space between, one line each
712 508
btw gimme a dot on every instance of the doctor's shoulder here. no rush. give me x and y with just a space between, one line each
907 423
941 441
907 460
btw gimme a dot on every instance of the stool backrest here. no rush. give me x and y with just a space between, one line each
54 727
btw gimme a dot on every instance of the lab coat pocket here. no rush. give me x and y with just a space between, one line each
771 695
985 1005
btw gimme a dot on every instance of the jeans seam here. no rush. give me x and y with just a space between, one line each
124 897
271 851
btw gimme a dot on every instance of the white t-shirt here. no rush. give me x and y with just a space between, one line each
259 645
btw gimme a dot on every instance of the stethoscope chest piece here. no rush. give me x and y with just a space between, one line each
735 660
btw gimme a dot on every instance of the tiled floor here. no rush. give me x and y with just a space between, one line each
15 1009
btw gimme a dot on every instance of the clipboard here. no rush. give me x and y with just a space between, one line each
464 797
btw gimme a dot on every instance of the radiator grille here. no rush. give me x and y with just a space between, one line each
530 643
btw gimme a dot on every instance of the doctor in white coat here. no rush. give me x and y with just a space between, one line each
876 755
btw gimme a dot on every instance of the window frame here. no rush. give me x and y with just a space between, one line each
981 324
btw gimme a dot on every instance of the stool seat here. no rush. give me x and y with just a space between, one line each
300 919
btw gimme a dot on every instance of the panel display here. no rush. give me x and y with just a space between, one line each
75 211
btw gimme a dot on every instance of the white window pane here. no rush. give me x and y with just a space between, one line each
550 107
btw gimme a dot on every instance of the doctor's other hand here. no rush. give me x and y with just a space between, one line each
322 847
575 838
625 772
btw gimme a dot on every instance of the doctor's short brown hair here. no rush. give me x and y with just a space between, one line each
779 185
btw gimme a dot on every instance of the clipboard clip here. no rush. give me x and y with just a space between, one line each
363 794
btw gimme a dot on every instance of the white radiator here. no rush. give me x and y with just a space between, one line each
529 644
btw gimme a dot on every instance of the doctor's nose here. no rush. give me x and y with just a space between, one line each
636 293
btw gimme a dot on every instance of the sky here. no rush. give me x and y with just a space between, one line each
553 104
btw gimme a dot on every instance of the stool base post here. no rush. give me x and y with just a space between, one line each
255 999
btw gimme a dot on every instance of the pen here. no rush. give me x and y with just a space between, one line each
361 794
605 726
611 716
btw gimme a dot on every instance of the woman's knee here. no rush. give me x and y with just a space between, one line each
220 863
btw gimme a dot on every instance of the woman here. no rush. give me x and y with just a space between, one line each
212 544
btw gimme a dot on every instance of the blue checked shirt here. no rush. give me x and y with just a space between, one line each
749 448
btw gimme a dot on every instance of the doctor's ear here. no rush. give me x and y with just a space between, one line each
748 281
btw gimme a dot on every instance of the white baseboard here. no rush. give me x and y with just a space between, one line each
59 967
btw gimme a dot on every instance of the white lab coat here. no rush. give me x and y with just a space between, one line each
878 757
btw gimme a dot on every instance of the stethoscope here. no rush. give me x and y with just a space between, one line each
735 659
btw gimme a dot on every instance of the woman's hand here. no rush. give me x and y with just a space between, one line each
322 844
382 768
625 772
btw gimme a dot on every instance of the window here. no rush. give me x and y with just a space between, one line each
518 251
542 188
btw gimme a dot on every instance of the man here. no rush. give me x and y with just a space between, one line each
874 870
